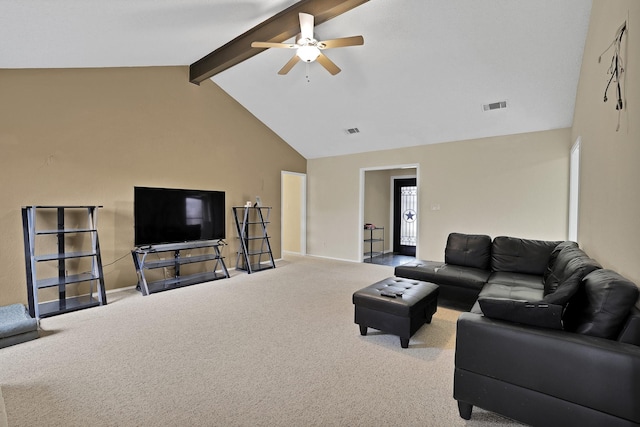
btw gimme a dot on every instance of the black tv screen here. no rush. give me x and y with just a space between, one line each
168 215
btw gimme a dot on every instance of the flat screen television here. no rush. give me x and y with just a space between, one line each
171 215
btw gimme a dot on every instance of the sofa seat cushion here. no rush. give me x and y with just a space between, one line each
468 250
511 291
518 279
521 255
444 274
602 305
465 277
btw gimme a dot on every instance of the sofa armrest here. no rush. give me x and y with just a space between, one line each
594 372
419 270
528 313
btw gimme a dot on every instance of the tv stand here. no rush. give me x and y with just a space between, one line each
174 256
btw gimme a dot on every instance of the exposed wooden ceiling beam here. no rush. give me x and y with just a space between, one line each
278 28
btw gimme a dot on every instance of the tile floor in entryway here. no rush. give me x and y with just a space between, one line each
390 259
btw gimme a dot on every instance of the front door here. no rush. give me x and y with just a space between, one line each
405 206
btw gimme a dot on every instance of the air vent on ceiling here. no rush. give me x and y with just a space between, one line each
494 106
352 131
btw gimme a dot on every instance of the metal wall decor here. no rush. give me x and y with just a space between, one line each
616 70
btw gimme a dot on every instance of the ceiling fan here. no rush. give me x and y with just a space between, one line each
309 49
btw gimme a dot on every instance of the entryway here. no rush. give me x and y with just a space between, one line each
294 212
389 202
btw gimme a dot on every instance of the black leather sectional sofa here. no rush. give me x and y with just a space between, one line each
551 338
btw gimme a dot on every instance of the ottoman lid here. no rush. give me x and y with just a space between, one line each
414 295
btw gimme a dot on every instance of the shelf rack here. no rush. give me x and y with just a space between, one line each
254 251
35 282
373 239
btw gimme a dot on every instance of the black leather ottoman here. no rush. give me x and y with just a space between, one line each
396 306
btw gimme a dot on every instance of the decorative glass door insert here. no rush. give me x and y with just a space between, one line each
408 206
405 221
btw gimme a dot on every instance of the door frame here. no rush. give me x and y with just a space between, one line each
303 211
415 166
574 191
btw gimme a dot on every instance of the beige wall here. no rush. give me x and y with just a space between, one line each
377 198
513 185
88 136
609 204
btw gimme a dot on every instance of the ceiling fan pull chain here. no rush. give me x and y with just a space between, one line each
308 79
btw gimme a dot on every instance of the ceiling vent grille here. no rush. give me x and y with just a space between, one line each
494 106
352 131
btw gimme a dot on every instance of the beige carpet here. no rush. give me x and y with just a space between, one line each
274 348
3 414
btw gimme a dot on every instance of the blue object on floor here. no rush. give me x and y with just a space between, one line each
16 326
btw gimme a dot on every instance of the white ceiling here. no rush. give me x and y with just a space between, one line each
422 76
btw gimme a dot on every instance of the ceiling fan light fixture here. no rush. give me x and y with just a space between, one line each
308 49
308 53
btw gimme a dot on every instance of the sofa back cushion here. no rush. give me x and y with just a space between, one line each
554 257
558 270
602 305
517 255
468 250
570 277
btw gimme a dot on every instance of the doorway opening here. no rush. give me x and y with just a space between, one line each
389 203
293 212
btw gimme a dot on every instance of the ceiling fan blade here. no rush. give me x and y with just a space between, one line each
306 26
342 42
269 44
289 65
328 64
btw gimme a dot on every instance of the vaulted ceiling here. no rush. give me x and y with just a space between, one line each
423 75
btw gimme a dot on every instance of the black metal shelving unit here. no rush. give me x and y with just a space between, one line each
173 256
254 250
65 260
375 236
